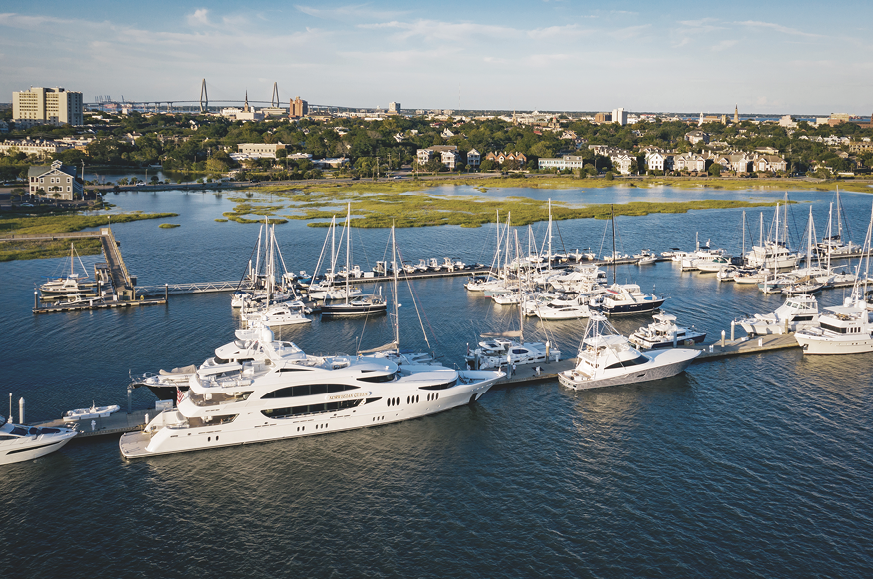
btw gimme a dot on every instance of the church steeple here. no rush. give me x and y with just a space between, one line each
246 107
736 113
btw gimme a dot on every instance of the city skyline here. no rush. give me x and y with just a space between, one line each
800 58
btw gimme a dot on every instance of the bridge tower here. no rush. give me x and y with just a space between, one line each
274 101
204 98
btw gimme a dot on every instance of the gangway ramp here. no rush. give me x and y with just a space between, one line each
121 282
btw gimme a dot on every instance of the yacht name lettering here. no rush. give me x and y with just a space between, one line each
350 395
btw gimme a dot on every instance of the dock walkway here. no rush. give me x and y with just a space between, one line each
117 423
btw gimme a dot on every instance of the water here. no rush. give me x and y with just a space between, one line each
755 466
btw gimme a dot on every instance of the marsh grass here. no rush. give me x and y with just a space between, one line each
169 225
32 225
245 207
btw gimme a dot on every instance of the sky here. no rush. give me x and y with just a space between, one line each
774 57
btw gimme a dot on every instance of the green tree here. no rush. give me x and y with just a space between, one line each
715 170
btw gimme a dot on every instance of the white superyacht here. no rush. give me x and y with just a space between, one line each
288 394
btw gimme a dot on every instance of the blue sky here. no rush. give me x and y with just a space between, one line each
766 57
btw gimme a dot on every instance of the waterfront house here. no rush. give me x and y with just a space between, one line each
57 181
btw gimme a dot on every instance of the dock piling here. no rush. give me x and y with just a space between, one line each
722 338
733 325
35 299
20 410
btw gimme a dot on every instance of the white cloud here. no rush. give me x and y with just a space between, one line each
777 28
349 13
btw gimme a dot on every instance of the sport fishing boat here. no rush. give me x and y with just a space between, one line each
664 333
606 358
288 394
19 443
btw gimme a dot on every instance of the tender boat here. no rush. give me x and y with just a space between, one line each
19 443
289 394
664 333
90 413
606 358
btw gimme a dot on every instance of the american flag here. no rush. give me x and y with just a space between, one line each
179 396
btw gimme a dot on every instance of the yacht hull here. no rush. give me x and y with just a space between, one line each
826 345
33 449
632 307
256 427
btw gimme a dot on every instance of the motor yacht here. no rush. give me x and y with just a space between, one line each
19 443
501 351
626 299
90 413
606 358
797 313
284 314
289 394
844 329
664 333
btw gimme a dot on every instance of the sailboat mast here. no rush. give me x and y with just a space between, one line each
776 247
612 207
550 235
785 223
396 291
348 249
828 236
743 233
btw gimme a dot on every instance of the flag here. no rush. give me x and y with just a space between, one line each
179 396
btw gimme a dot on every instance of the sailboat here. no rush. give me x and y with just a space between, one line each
606 358
505 349
844 329
362 305
265 286
625 298
774 254
71 282
268 313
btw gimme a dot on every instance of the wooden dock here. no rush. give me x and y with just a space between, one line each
747 345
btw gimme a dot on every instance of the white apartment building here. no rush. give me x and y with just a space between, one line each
473 158
619 116
52 106
37 147
259 150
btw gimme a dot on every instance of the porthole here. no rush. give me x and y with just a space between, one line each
208 439
216 438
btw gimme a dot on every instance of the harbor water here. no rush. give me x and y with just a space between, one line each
757 466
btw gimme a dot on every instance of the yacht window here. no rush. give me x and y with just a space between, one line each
331 388
443 386
18 431
293 369
835 329
309 409
220 361
308 389
373 399
519 351
7 437
803 318
378 379
627 363
318 389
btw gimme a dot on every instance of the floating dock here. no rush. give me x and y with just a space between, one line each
117 423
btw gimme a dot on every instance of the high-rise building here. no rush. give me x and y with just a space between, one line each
54 106
393 108
299 108
619 116
603 118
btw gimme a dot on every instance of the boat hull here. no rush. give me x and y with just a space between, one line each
655 370
22 453
811 344
632 307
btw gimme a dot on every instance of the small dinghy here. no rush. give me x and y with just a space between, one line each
90 413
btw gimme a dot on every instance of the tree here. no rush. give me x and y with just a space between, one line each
487 165
609 176
715 170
